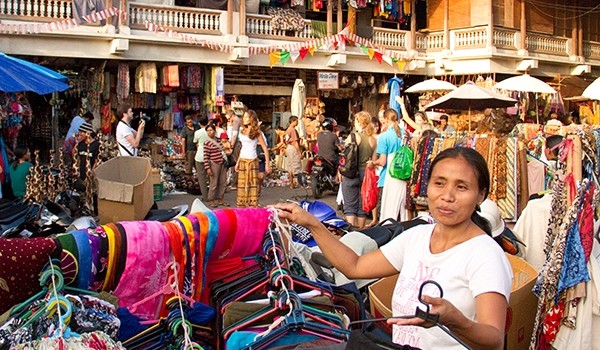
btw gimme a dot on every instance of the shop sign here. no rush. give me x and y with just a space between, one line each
327 80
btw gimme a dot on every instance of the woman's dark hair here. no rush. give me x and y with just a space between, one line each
19 152
479 165
211 126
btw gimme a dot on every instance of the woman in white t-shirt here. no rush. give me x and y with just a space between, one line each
457 252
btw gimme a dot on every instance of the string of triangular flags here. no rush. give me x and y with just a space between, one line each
213 45
67 24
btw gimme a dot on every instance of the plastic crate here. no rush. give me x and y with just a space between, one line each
158 192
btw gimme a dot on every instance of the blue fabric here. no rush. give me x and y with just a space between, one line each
85 258
201 314
75 124
394 86
130 324
213 233
387 143
5 163
20 75
574 269
241 339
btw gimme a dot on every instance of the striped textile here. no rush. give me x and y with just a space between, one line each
247 193
508 205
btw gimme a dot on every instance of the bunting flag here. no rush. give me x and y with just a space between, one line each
371 53
303 52
274 57
401 65
378 56
311 50
294 55
213 45
284 57
67 24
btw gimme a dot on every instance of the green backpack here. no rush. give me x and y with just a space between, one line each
401 166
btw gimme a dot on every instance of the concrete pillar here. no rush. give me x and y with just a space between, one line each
329 18
340 17
446 24
242 17
229 17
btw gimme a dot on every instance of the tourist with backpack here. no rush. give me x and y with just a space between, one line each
393 198
360 149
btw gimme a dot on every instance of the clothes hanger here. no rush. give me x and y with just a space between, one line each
293 322
168 289
422 314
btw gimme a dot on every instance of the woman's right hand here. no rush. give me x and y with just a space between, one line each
237 167
294 213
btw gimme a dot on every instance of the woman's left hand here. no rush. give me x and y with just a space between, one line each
268 168
449 314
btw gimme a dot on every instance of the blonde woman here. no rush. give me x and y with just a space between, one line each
247 163
367 144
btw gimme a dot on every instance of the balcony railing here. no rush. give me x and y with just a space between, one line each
177 18
435 41
505 38
390 38
547 44
36 10
260 26
591 50
471 38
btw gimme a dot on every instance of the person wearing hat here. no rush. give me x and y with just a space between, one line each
71 137
88 149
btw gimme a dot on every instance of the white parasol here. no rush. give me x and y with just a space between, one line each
593 90
431 85
525 83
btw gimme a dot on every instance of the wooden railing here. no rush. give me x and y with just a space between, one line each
504 38
591 50
547 44
260 26
421 41
177 18
390 38
36 10
470 38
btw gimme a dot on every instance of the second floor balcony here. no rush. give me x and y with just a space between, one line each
477 40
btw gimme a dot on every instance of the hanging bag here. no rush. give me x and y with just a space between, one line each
401 166
369 190
349 159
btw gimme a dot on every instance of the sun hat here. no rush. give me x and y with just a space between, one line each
490 212
224 136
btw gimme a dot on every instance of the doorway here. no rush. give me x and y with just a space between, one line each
338 109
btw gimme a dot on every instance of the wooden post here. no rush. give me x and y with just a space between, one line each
329 18
229 17
523 26
413 25
490 34
580 37
446 24
243 17
340 17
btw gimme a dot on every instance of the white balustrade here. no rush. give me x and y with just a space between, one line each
591 50
39 10
504 38
260 26
184 19
421 41
470 38
547 44
435 41
389 38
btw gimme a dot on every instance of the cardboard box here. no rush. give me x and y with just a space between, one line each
124 189
380 298
522 306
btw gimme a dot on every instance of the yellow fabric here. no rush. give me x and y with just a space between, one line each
111 255
248 183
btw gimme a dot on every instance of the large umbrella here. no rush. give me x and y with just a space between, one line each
525 83
471 97
20 75
593 90
431 85
297 105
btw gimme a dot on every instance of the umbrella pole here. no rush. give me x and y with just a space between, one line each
469 119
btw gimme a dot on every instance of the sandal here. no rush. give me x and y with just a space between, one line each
224 204
214 205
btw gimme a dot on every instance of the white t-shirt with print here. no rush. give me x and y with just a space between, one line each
465 271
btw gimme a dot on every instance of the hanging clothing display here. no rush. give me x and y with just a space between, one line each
123 81
145 78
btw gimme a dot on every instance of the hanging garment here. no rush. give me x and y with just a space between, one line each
123 82
395 85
